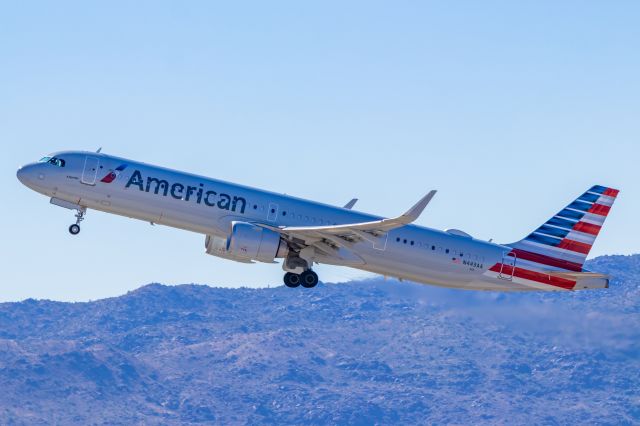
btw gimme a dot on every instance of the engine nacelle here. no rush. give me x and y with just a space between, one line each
217 246
247 242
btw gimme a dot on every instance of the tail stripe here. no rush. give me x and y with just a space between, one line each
543 239
571 214
553 231
605 200
562 223
580 206
547 260
576 246
539 277
562 243
593 218
599 189
581 237
550 251
599 209
587 228
589 197
563 234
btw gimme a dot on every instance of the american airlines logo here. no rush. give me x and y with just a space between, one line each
196 194
113 174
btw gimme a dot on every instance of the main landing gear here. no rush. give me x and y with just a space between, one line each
75 228
308 279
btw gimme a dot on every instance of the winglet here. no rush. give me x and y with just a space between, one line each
414 212
350 204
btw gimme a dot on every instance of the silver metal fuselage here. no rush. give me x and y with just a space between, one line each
412 253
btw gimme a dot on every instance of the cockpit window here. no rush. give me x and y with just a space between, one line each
58 162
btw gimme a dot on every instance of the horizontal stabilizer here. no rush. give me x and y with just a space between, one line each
578 275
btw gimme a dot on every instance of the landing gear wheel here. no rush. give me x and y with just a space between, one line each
291 280
74 229
309 279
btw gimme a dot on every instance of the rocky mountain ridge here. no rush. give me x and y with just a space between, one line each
369 352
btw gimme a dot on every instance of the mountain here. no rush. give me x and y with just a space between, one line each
370 352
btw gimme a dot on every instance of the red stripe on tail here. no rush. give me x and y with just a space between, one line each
611 192
576 246
587 228
599 209
538 277
547 260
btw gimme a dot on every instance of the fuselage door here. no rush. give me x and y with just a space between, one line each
508 268
90 171
273 212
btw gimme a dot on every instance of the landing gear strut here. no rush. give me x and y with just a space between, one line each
308 279
75 228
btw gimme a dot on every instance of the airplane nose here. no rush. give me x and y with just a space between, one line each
21 174
28 175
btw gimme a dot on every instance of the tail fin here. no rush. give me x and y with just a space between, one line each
565 240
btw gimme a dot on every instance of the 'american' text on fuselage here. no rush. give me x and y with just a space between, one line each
199 194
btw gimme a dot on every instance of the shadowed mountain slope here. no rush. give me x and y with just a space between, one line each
360 353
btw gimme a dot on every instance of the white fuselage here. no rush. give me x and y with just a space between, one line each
209 206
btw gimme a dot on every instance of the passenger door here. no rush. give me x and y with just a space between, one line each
90 171
507 270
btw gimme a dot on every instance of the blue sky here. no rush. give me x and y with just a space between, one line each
509 109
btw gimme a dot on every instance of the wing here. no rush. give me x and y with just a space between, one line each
339 240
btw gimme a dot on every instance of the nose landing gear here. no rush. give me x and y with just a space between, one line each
308 279
75 228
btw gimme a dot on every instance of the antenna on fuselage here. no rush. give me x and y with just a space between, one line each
98 151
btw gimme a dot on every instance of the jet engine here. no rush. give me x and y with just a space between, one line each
246 243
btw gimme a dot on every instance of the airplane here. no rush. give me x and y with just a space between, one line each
250 225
